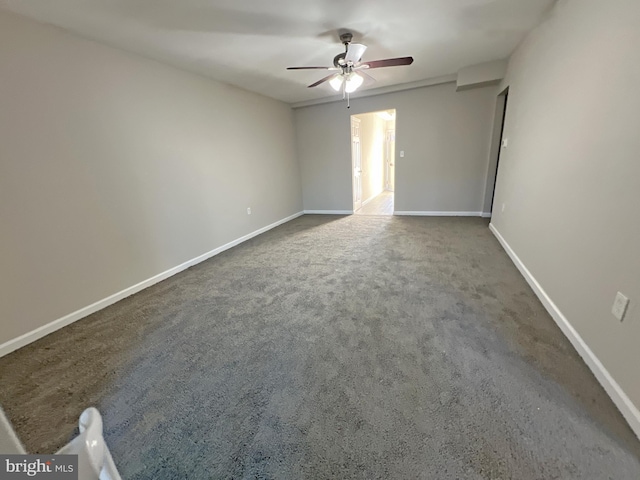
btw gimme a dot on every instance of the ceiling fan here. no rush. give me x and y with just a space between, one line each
350 69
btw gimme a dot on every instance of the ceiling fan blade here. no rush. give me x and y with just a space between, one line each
311 68
322 80
389 62
368 79
354 52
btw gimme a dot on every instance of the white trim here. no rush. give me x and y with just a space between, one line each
18 342
429 82
629 411
438 214
328 212
14 445
371 198
486 215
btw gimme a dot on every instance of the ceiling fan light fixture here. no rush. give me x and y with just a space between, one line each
353 83
347 63
336 82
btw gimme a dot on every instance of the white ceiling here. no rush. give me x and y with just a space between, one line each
249 43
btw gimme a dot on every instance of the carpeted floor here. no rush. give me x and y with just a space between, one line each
330 347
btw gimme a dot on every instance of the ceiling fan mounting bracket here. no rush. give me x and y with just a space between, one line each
346 38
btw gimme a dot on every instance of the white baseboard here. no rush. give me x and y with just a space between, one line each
371 198
621 400
438 214
486 215
40 332
328 212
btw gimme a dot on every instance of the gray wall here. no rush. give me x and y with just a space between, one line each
445 136
114 168
569 178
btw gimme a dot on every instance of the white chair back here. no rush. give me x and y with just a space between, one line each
94 458
9 442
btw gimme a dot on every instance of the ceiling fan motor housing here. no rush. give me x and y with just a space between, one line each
337 58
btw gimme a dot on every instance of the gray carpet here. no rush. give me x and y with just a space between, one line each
330 347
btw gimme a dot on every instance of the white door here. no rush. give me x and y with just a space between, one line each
389 160
356 161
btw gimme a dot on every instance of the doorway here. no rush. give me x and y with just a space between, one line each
498 144
373 137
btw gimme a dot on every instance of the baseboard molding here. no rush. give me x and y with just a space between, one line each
438 214
371 198
486 215
621 400
51 327
328 212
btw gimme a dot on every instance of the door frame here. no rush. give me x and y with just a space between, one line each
389 159
356 158
496 153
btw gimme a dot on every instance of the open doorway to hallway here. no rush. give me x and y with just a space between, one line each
373 138
498 144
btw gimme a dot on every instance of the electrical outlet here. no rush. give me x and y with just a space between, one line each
402 153
249 211
505 142
620 305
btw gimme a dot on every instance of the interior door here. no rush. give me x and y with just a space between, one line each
504 117
356 161
389 159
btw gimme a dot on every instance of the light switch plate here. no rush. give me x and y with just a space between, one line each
620 305
402 153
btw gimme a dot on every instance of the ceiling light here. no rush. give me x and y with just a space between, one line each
353 82
336 82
